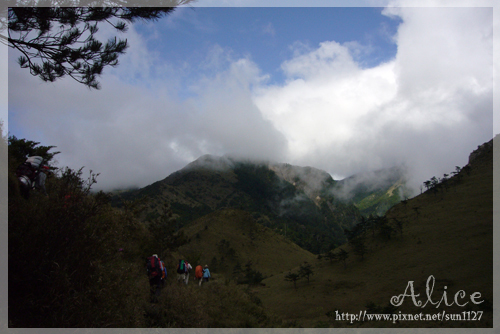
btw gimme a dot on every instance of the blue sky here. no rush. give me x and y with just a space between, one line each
345 90
267 35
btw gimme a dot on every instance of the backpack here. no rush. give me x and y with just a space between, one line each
181 268
198 272
153 266
25 169
29 168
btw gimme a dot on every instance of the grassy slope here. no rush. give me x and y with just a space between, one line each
269 252
451 239
379 202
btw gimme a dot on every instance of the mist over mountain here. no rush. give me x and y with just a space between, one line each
303 203
374 192
312 181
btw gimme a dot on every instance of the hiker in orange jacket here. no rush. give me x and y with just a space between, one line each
198 273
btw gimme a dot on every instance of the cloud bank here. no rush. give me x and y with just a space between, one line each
427 108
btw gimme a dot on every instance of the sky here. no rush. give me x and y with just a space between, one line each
345 90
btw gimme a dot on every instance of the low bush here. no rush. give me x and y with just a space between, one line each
73 260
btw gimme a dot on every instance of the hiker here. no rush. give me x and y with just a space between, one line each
181 271
198 274
153 267
163 273
188 269
29 175
40 180
206 274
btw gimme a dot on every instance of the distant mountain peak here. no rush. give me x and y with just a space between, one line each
211 162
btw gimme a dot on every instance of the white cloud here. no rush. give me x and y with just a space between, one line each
136 130
324 99
268 29
330 59
427 108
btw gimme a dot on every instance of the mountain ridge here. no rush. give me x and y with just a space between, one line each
279 194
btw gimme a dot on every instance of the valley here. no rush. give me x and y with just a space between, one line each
444 234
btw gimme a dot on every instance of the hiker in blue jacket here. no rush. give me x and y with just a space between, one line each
164 274
206 274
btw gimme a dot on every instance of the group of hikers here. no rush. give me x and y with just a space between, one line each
200 274
157 273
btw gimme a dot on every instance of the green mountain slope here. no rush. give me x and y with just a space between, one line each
374 192
234 239
446 234
292 201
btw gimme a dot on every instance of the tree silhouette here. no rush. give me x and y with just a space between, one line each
306 270
457 173
358 247
292 277
434 184
427 185
57 41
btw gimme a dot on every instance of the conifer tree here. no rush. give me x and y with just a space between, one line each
21 149
57 41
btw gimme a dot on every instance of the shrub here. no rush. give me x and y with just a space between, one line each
65 267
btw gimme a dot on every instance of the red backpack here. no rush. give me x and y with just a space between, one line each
153 266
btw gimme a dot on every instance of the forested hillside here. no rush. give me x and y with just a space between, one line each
309 216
